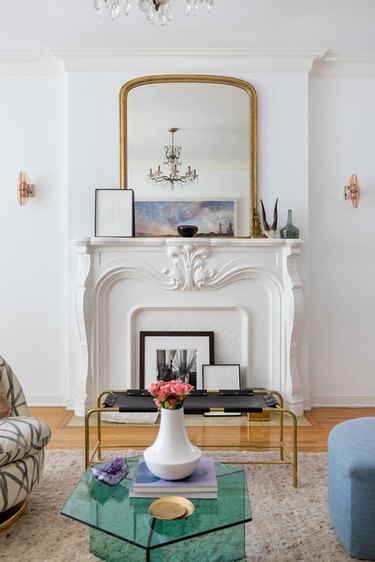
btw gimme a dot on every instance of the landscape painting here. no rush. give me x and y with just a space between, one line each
162 217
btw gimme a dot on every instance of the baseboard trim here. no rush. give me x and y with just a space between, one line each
35 400
342 400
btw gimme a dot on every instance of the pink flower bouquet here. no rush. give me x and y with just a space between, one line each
170 395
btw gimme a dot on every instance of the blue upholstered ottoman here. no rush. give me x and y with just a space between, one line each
351 485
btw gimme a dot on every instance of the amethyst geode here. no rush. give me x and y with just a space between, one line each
113 472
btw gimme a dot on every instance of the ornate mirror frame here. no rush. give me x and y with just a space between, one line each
255 229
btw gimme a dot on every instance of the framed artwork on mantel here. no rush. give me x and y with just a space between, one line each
114 213
174 356
213 217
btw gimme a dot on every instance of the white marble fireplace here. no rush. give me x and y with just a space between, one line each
245 290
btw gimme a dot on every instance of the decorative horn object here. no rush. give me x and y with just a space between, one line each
269 231
351 191
24 188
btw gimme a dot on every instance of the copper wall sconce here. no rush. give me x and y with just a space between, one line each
24 188
351 191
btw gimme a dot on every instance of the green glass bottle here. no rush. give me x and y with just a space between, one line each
289 230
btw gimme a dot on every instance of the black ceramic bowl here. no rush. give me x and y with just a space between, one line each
187 230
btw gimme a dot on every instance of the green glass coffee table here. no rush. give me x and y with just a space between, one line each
122 530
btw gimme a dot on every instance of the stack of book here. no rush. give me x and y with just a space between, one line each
201 484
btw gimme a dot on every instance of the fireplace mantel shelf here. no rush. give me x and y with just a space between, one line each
128 284
167 241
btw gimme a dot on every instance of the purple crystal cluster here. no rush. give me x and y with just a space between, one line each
113 472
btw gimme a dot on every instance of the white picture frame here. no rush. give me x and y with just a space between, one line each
221 377
114 213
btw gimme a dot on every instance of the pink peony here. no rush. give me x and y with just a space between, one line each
154 388
181 389
164 392
170 395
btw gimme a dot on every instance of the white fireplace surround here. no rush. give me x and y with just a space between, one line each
245 290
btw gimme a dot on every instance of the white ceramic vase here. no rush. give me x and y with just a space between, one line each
172 456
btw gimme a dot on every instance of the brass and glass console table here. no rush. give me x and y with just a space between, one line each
199 402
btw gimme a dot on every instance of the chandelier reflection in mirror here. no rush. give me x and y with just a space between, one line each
157 11
173 175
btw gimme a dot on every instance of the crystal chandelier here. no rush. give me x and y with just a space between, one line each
172 176
155 10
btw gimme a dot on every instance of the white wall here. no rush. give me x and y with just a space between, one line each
283 109
342 268
93 141
64 131
33 249
93 162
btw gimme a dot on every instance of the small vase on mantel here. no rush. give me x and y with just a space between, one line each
289 230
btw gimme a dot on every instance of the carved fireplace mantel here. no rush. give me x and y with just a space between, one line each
247 290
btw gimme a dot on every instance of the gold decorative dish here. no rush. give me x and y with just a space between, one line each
171 507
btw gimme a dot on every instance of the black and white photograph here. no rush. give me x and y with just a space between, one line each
174 356
177 364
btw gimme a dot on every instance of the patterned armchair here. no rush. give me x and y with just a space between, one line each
22 442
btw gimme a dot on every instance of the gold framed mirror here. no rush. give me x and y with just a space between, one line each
214 119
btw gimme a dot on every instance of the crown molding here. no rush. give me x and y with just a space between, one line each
350 67
30 63
189 60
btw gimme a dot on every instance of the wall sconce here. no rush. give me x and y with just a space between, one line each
24 188
351 191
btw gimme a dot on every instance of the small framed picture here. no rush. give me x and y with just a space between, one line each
114 212
221 377
174 356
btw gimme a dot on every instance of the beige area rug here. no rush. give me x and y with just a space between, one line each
288 524
192 420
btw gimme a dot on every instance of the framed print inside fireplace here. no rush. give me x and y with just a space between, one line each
221 377
174 355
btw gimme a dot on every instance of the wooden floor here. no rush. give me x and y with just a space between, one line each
313 439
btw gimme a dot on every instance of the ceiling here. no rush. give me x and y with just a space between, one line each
346 27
